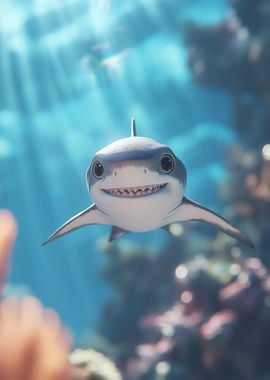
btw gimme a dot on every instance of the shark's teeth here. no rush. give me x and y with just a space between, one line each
135 191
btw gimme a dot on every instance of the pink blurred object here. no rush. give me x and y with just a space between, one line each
33 344
217 323
175 316
154 349
259 185
8 232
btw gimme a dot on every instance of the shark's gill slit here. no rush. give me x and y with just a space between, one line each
135 191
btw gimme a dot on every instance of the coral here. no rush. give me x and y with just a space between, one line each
143 283
247 193
254 15
8 229
217 54
209 336
92 365
234 55
33 343
227 56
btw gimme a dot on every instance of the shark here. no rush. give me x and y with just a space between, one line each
137 185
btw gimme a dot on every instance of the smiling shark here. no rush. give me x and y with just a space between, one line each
138 185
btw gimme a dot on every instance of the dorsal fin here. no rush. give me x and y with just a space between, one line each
133 128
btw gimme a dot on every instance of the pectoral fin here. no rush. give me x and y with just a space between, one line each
92 215
190 210
116 233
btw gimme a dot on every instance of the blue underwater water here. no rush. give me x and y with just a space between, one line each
72 74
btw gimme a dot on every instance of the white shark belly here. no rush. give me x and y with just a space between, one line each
136 215
135 221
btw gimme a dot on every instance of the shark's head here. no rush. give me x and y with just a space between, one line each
133 171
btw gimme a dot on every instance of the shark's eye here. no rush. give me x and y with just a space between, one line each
167 163
98 169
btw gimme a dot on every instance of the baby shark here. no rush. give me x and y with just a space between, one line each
138 185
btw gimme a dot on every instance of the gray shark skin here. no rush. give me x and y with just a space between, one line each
138 185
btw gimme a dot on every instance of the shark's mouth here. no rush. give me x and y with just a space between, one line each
135 191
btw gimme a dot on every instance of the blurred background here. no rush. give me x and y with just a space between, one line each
195 75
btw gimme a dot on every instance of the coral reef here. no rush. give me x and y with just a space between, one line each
227 56
144 283
254 15
247 194
234 55
218 329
